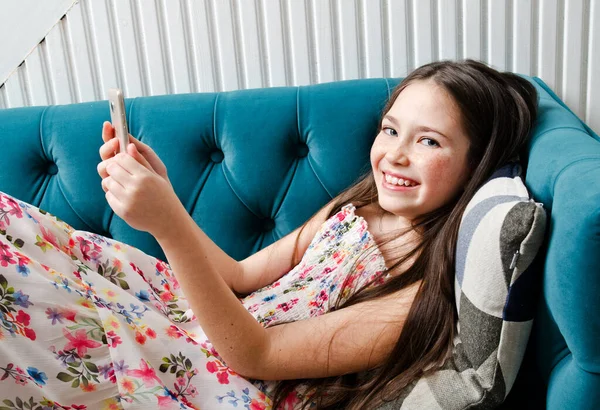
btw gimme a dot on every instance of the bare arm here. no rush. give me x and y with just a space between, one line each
349 340
258 270
233 331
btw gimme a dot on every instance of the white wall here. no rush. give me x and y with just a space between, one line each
150 47
23 24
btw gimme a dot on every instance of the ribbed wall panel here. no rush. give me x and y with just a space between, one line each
180 46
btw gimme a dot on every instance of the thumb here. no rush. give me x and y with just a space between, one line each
133 151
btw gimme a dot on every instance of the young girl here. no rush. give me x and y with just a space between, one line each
343 312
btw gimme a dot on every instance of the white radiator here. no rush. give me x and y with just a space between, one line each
150 47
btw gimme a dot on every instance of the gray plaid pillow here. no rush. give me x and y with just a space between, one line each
501 232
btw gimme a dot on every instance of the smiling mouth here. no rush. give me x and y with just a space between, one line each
399 182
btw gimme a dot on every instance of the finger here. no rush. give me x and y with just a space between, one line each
107 150
109 184
114 202
142 147
130 164
119 174
133 151
108 131
101 168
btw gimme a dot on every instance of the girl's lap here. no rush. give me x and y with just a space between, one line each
89 319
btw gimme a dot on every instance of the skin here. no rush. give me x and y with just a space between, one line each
344 341
436 160
336 343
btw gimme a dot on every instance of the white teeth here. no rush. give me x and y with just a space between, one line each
398 181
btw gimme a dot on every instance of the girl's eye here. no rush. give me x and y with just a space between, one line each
430 142
386 129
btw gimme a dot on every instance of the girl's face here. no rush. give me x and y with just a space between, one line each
419 157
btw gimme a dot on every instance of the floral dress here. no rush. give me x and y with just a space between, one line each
88 322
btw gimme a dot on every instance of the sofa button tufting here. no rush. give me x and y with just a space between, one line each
217 156
302 150
52 168
268 224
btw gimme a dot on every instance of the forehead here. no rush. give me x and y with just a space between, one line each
424 102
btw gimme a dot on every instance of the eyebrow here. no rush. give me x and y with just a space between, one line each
420 128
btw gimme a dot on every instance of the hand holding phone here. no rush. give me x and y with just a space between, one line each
109 149
118 118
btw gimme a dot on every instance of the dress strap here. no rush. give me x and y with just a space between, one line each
349 207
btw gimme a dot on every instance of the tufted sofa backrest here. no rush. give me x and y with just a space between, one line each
252 165
249 166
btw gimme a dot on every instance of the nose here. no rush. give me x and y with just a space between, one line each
397 153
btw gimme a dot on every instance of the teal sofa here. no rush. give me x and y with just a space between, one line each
252 165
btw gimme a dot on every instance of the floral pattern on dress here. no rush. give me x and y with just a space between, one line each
330 266
88 322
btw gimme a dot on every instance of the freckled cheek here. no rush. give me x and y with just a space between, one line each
441 170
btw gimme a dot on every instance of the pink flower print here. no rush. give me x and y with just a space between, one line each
15 209
20 380
165 402
285 306
135 268
166 296
191 391
69 314
86 250
6 256
140 338
175 282
212 367
208 349
145 373
341 216
180 381
338 257
151 333
254 405
23 318
253 308
173 332
30 333
23 260
223 377
80 342
113 338
49 237
161 266
304 273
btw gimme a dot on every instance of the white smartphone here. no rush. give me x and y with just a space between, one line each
117 117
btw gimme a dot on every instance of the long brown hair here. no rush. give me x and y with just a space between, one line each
497 112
